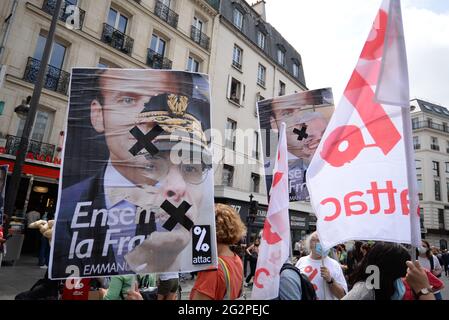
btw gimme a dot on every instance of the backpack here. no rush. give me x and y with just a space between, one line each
307 291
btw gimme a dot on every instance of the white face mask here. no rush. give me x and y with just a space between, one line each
422 250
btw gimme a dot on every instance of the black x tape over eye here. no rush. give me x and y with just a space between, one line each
144 141
302 134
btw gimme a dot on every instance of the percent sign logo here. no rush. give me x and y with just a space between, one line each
201 246
345 143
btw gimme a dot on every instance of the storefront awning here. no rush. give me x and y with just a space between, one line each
33 169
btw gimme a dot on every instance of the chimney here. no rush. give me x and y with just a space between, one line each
259 7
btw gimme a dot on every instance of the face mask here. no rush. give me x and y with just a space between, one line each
399 290
319 250
422 250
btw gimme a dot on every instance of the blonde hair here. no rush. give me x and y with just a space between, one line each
229 226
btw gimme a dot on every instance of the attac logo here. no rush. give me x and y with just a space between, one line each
345 143
201 245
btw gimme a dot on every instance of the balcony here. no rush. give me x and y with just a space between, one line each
55 79
199 37
435 147
157 61
39 150
166 14
430 125
49 6
417 146
237 64
261 82
117 39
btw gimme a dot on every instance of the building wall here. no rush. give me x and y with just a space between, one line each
85 49
427 156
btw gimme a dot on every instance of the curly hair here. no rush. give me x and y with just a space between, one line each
229 225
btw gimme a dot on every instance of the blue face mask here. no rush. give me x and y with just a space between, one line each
399 290
319 250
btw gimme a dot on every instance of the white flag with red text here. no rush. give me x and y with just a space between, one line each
275 243
362 178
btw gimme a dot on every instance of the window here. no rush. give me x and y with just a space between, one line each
158 45
106 64
230 140
255 182
261 75
416 144
198 24
445 127
281 57
436 168
447 146
57 52
421 217
228 175
418 164
238 19
447 167
261 39
296 70
435 145
415 123
420 194
236 91
42 126
117 20
237 57
447 190
193 65
281 88
256 145
437 190
441 219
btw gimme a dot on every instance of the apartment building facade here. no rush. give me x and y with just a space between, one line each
252 61
431 143
246 58
166 34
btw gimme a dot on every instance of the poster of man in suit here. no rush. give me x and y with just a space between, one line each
306 115
136 191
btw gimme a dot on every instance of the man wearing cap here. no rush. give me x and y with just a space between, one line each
144 115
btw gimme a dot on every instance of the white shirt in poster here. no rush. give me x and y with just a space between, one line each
311 268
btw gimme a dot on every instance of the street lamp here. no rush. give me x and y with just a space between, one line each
23 109
30 116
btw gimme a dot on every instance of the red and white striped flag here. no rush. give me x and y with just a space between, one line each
275 243
362 178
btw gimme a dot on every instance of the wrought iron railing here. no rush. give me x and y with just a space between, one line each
261 82
237 64
431 125
199 37
49 6
55 79
37 148
166 14
158 61
117 39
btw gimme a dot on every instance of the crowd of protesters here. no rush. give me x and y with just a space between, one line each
361 271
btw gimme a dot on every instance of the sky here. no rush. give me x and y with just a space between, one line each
330 35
